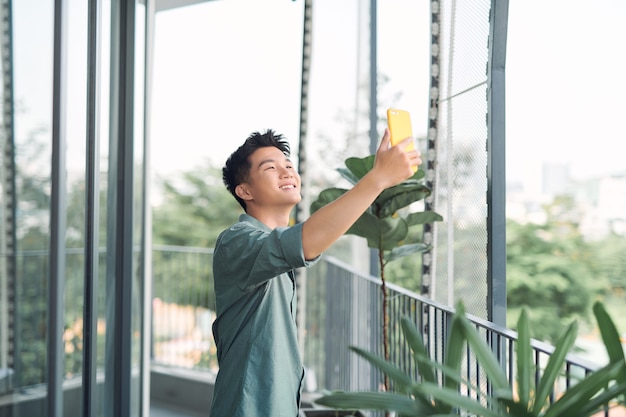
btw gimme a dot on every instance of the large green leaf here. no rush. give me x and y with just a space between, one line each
555 364
584 392
404 250
347 174
326 196
369 227
360 166
524 360
597 404
381 234
455 399
609 333
402 381
456 347
394 198
484 355
416 343
394 231
422 217
611 339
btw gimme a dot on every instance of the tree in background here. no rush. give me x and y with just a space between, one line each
194 208
609 260
549 271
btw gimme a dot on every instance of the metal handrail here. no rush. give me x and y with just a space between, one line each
343 310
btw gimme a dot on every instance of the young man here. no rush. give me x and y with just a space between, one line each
261 371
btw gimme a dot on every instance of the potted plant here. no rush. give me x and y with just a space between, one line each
386 223
528 397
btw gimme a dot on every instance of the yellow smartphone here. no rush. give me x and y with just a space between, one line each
399 122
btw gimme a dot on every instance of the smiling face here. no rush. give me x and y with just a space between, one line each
273 181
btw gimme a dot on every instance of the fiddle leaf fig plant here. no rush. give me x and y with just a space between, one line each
382 225
385 225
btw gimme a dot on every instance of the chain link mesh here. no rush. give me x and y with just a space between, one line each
458 145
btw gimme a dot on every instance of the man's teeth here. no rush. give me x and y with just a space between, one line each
284 187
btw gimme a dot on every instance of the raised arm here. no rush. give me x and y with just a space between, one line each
392 166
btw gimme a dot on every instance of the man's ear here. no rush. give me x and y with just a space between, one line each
243 192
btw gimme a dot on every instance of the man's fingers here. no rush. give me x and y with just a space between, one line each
405 142
384 143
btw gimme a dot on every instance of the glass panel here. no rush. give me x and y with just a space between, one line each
103 99
124 218
25 269
75 233
103 112
236 74
25 136
339 122
138 210
33 52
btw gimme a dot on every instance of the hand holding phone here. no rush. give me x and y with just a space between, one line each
399 122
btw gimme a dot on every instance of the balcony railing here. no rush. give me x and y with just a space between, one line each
342 308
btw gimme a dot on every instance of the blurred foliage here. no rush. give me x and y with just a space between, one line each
193 209
555 272
548 271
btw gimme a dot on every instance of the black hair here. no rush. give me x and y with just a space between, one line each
237 166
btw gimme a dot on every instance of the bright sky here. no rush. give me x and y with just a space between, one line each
238 75
226 68
566 87
565 82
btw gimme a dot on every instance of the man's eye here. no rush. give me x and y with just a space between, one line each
270 167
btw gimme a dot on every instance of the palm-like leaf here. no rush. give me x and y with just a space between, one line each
416 343
428 397
402 381
582 399
455 348
609 333
485 357
554 366
453 397
524 360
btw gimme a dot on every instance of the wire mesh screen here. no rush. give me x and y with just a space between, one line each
459 267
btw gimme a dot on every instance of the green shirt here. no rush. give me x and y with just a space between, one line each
260 371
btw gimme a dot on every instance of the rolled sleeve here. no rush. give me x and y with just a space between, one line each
290 240
250 253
